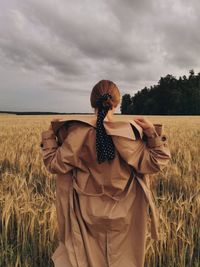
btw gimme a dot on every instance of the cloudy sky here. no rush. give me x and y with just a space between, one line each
52 52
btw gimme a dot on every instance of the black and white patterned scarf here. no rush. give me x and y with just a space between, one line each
104 144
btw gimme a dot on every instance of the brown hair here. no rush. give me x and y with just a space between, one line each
103 87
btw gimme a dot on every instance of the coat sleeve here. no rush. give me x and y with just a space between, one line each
57 159
146 156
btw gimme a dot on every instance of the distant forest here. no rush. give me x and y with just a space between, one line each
171 96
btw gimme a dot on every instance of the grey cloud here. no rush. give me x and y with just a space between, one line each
68 88
34 54
70 45
183 46
179 33
96 38
92 42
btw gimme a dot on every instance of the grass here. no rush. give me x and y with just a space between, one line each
28 226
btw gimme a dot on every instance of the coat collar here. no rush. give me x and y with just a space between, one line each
115 127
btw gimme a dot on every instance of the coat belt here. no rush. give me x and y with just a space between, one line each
146 190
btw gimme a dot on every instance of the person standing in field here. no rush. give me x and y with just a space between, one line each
103 195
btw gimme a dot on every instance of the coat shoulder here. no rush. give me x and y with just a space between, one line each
118 127
77 128
124 128
73 121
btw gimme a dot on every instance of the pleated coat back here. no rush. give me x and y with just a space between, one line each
103 209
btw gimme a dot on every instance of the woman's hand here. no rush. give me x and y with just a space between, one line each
143 122
55 119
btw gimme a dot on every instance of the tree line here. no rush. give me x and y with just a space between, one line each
171 96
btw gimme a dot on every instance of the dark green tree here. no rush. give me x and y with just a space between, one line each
125 104
171 96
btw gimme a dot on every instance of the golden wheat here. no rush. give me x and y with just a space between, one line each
27 195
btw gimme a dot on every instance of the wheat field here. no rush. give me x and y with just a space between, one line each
27 195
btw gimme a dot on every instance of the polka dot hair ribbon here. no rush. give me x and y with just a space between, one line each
104 145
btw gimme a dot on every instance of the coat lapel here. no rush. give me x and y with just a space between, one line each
116 127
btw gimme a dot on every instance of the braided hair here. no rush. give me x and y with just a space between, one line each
104 144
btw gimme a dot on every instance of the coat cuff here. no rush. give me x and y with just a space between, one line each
154 136
48 139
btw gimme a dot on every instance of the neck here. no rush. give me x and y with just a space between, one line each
108 117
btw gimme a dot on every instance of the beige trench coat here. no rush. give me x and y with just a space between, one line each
103 210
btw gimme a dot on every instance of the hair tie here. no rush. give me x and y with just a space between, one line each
101 99
104 144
